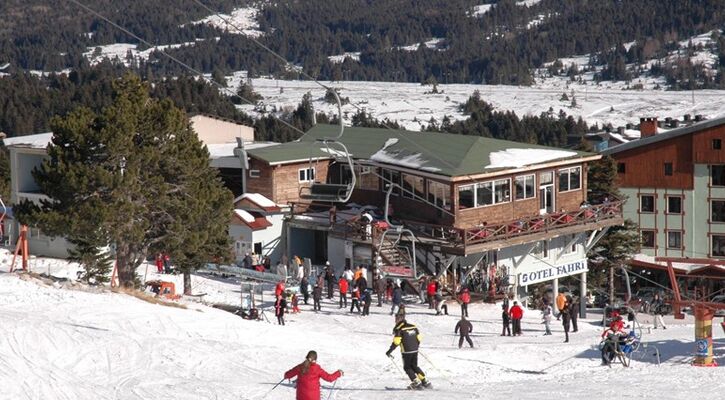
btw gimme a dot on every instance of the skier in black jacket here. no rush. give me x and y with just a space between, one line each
317 296
367 299
407 336
304 289
465 327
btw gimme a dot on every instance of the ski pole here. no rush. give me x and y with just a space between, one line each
396 366
331 389
275 387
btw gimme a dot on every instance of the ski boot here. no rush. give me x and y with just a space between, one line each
426 384
415 385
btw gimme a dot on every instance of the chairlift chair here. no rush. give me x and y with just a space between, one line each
400 230
331 192
3 213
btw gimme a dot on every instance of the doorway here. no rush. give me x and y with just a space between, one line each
546 192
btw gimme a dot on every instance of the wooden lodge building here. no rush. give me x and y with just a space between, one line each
488 209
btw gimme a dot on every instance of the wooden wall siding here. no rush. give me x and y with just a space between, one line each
264 184
703 153
645 165
286 184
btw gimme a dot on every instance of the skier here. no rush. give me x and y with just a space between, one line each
517 313
612 339
279 307
465 299
316 297
465 328
379 285
397 299
546 312
566 320
295 304
330 279
279 288
355 297
342 284
304 289
560 302
431 292
574 313
440 303
349 275
309 374
367 299
505 318
407 337
657 306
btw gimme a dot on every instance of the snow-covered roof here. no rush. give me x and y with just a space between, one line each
37 141
258 200
227 149
253 220
244 215
517 158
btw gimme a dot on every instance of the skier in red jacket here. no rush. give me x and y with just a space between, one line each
465 299
431 292
516 313
279 288
309 374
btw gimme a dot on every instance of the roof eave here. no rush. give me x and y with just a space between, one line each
528 168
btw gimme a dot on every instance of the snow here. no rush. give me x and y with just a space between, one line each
408 103
390 142
244 18
431 44
517 158
527 3
339 59
219 150
257 198
37 141
245 216
59 341
119 52
482 9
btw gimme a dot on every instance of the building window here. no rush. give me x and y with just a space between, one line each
413 187
502 191
484 194
716 144
718 245
254 173
306 174
717 175
570 249
525 187
674 204
646 203
668 169
541 250
466 197
717 213
621 168
439 194
570 179
648 238
674 239
389 177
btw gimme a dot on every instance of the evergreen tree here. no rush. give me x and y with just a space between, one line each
113 177
613 251
602 177
4 173
94 256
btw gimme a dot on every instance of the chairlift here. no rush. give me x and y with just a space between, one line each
331 192
401 231
3 213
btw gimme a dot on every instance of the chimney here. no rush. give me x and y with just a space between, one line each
620 130
698 117
686 117
647 127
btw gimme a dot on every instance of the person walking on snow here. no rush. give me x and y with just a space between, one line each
546 312
505 318
342 284
330 279
367 299
379 285
397 299
279 288
560 303
566 320
465 299
355 297
465 327
407 336
431 292
349 275
295 304
517 313
308 375
657 309
304 289
160 263
574 313
279 307
316 297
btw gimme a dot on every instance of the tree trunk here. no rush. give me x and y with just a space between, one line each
187 283
611 284
125 270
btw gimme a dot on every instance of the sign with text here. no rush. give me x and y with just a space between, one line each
548 272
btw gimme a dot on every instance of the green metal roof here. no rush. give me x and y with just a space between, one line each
438 153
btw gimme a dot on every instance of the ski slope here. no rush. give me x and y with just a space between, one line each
61 343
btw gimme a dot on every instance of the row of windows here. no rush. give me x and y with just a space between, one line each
414 187
674 241
541 250
499 191
673 205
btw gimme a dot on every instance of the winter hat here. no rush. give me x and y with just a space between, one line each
327 263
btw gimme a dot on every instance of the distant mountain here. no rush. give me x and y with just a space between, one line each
465 41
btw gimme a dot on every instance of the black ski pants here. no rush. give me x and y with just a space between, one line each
330 289
516 326
410 366
355 303
468 339
317 305
343 300
506 328
464 309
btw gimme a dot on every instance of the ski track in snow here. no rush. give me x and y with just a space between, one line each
59 344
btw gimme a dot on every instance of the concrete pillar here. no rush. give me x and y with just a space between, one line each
556 293
583 295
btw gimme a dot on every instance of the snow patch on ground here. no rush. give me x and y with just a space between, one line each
243 21
339 59
431 44
119 52
527 3
517 158
481 9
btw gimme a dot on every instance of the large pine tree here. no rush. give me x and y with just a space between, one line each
123 177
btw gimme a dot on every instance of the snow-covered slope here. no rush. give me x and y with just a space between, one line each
66 344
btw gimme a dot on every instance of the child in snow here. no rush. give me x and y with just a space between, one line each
295 304
342 283
546 313
316 297
367 299
308 377
355 297
465 327
517 313
465 299
505 319
279 307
